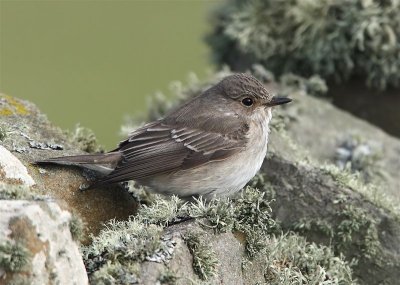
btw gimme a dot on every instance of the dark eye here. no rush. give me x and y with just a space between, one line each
247 101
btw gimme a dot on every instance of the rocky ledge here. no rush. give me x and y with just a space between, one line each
328 214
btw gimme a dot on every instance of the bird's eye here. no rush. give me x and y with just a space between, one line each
247 101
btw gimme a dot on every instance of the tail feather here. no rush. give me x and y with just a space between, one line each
102 158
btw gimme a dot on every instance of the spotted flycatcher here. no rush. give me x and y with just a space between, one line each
210 146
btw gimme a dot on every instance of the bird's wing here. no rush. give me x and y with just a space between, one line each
160 148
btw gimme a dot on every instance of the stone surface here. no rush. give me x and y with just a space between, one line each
12 169
29 136
42 228
229 250
305 190
320 127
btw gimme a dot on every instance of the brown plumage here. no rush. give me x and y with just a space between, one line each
208 129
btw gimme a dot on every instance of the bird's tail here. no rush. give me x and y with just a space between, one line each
102 162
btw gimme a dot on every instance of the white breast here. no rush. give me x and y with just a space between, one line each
248 163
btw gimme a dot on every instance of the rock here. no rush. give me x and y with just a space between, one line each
319 128
12 169
36 246
329 205
222 242
29 136
353 210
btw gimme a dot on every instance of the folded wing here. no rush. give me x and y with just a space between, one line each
161 148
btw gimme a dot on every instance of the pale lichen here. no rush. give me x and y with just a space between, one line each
18 192
290 259
124 245
205 261
14 257
76 227
352 231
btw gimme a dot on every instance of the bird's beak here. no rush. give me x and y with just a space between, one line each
276 100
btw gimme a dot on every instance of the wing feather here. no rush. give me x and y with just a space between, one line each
159 149
189 137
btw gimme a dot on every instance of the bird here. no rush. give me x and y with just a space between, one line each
211 146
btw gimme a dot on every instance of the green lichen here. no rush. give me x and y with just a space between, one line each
14 257
205 261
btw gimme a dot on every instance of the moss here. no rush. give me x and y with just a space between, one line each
76 227
14 257
86 139
205 261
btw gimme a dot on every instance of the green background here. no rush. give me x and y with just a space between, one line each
92 62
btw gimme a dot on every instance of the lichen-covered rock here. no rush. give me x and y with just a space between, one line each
346 214
223 242
353 208
358 217
27 136
337 130
36 246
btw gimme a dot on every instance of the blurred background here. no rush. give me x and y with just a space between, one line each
92 62
334 177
